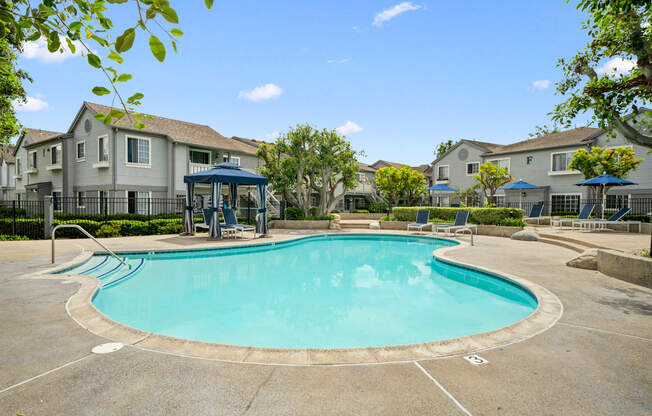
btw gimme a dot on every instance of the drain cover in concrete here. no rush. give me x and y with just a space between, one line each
107 348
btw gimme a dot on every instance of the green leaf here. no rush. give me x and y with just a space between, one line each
94 61
71 45
124 42
116 114
174 46
209 3
101 91
157 48
75 26
124 77
170 15
137 96
99 116
176 32
54 43
115 57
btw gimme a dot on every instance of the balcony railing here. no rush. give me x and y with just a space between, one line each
199 167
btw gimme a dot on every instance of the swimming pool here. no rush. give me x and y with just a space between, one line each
328 291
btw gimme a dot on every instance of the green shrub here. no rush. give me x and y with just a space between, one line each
312 211
512 222
171 228
378 207
336 211
636 217
320 218
492 216
8 211
387 218
108 230
8 237
361 211
293 213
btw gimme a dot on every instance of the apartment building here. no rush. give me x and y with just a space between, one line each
541 161
96 160
7 173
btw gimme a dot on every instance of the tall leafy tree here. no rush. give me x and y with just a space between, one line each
621 32
396 184
83 26
540 131
490 177
305 161
444 147
617 162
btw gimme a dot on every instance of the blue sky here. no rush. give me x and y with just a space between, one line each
405 79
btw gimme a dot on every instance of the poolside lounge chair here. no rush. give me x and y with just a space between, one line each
232 222
207 214
460 223
535 213
584 215
422 220
617 218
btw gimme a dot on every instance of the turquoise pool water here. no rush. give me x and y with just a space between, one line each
333 291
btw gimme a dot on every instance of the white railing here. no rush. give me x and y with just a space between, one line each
199 167
54 231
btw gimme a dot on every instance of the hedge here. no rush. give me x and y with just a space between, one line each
491 216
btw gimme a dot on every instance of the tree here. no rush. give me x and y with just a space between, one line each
601 160
490 177
304 161
620 31
468 194
81 26
444 147
540 131
404 183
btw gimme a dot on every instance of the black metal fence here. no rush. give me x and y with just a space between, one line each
109 216
22 218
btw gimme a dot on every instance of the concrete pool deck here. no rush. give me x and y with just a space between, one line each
596 359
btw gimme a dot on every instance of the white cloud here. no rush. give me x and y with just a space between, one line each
262 93
338 61
541 84
616 66
356 28
348 128
272 136
39 50
30 104
391 13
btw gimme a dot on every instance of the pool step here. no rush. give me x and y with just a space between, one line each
363 224
125 274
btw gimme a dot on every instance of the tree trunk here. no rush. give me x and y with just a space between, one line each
633 135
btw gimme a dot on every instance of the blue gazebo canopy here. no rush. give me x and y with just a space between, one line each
226 173
520 185
441 188
605 179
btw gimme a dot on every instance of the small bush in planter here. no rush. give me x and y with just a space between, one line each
293 213
108 230
361 211
171 228
378 207
336 211
512 222
313 211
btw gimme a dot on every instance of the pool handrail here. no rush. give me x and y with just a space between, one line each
87 234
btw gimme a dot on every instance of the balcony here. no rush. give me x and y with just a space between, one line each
18 176
31 170
442 180
101 164
53 166
199 167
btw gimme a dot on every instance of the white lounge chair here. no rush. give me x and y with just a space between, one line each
460 223
422 220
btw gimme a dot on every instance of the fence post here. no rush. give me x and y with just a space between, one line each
48 216
13 226
248 206
149 214
282 209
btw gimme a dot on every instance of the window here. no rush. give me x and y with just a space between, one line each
81 151
565 203
103 149
19 167
616 202
472 168
501 163
137 202
55 154
560 161
225 158
138 151
235 160
81 199
442 173
32 160
500 200
56 201
200 156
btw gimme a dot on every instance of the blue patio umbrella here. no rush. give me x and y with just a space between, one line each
441 188
603 181
520 185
